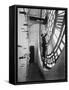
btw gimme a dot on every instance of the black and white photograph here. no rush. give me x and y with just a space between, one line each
41 44
34 47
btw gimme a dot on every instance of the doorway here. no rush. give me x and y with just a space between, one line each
31 54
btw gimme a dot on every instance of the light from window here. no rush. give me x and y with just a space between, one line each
64 38
61 45
58 51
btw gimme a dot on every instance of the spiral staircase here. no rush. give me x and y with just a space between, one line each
55 39
51 25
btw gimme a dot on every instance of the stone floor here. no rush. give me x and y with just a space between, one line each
34 73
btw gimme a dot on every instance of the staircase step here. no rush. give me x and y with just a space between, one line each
61 12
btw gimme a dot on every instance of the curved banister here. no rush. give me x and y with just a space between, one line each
51 58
